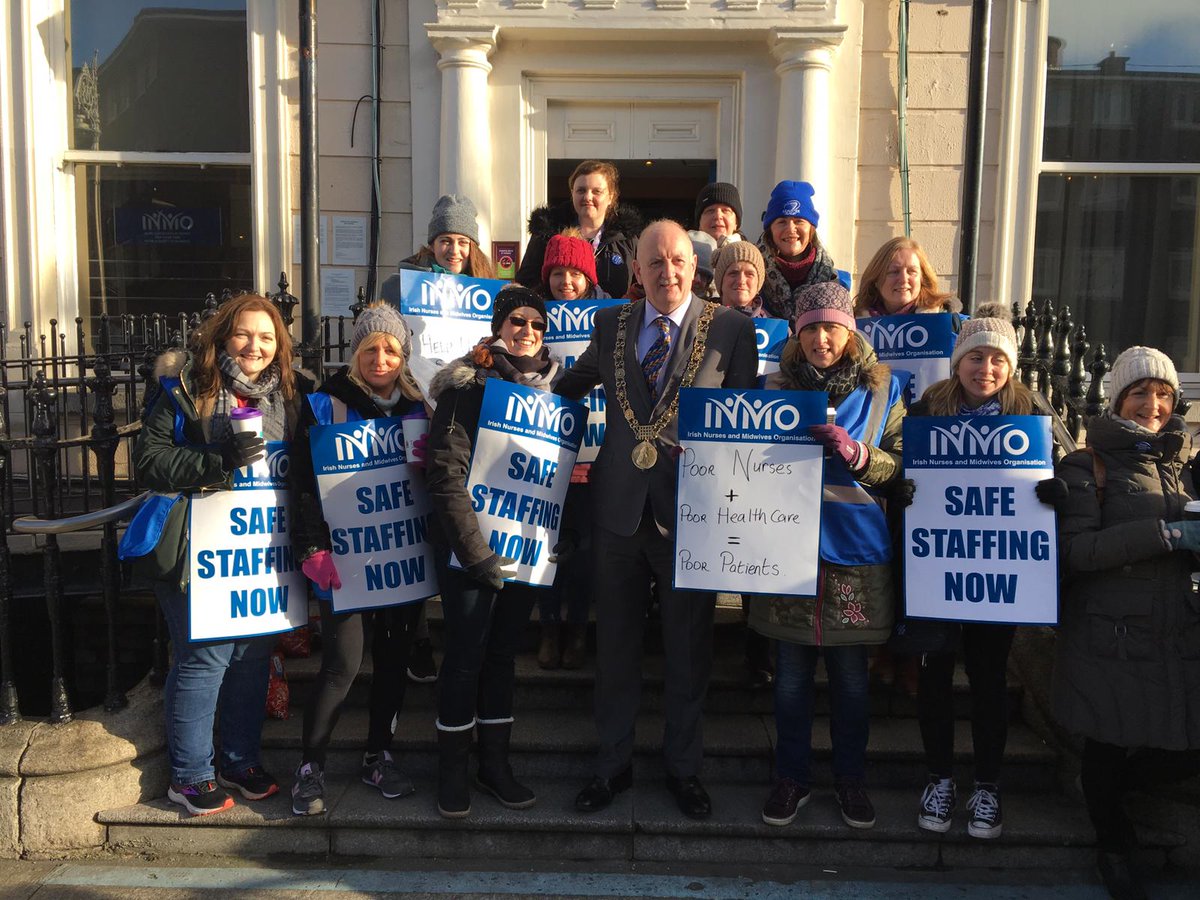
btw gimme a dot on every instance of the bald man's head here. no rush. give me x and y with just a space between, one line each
665 264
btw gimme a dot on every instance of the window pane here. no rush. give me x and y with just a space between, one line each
159 75
1123 82
160 237
1121 252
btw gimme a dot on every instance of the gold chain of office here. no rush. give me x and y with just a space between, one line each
644 453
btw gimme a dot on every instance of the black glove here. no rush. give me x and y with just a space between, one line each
902 493
492 571
242 449
1052 491
568 543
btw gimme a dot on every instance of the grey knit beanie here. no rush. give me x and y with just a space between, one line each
453 214
381 317
735 252
1137 364
991 326
704 246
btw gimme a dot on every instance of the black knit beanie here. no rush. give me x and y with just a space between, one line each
513 298
719 192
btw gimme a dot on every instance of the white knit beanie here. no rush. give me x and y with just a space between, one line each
991 326
1137 364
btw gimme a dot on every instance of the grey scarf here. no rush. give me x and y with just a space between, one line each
263 393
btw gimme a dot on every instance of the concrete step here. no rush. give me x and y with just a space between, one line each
738 747
1040 830
729 689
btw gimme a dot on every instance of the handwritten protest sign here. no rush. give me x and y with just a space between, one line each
750 482
568 333
917 346
771 335
448 315
520 470
378 514
244 580
979 546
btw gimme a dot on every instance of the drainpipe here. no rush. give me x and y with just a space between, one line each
968 259
310 203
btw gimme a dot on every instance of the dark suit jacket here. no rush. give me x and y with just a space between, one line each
730 360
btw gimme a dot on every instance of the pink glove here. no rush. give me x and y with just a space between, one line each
420 450
319 568
837 439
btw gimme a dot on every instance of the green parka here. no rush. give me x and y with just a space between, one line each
1127 657
190 467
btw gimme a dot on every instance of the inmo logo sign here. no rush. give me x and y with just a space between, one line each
447 293
899 336
965 439
741 414
567 320
278 463
368 441
163 220
538 412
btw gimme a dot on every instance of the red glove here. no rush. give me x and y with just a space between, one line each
319 569
837 439
420 450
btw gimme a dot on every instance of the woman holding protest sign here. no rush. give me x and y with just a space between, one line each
569 273
1127 654
853 609
484 618
610 229
452 243
899 280
983 383
377 384
240 357
792 253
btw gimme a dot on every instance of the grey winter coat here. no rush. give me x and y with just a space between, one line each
1127 660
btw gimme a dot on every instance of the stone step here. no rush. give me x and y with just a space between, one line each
729 688
1040 830
738 748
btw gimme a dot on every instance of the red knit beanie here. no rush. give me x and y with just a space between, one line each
571 252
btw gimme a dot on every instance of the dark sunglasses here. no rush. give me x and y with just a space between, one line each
521 322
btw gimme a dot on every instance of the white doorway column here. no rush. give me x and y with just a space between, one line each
465 152
803 148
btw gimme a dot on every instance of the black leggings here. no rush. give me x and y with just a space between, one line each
1109 772
985 657
342 650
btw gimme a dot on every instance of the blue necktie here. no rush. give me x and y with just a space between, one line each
656 356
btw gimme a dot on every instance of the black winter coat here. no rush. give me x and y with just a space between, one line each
1127 655
614 258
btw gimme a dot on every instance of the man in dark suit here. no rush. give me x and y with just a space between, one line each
643 352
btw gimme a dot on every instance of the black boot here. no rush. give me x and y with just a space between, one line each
454 794
495 774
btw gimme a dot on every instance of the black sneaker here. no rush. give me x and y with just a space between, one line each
254 784
857 811
200 799
421 667
787 796
308 793
986 821
1120 879
937 805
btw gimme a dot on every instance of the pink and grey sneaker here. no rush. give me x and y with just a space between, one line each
200 799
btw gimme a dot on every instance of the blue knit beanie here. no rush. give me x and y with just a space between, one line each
792 199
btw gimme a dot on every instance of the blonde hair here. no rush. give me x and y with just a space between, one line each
946 398
930 297
404 378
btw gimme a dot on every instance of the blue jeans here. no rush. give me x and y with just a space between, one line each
231 675
484 630
849 710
